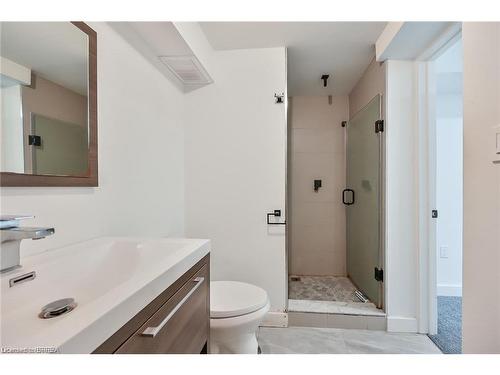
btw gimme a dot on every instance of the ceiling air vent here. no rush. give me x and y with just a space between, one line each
187 69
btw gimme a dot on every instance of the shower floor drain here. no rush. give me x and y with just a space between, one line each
57 308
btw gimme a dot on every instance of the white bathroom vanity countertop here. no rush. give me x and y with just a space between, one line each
111 280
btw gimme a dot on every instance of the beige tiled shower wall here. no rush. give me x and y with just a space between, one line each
317 220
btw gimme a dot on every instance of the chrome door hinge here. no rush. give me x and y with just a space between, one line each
379 274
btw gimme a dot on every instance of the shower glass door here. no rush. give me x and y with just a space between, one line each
363 200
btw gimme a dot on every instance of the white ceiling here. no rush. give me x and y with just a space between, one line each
341 49
57 51
162 37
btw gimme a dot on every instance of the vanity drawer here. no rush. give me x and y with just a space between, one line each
180 325
190 327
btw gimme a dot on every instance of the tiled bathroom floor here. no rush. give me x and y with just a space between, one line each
322 288
299 340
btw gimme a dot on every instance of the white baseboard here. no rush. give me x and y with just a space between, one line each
275 319
401 324
449 290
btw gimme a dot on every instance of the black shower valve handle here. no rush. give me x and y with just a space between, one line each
317 184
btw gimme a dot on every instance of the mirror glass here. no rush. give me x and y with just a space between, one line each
44 98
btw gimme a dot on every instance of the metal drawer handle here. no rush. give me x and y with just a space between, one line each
153 331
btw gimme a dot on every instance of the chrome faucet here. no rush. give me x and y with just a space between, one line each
11 236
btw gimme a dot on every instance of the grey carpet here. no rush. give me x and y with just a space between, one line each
449 336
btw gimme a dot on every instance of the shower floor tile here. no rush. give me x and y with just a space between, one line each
322 288
327 295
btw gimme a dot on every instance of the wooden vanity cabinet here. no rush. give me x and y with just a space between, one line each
177 321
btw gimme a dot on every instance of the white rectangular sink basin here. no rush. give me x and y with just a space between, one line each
111 279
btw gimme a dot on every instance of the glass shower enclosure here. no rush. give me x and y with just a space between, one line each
363 200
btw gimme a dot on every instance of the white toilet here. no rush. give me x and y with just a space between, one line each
236 311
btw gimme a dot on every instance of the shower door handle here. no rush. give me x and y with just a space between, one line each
346 202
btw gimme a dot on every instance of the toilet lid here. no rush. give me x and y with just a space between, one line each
234 298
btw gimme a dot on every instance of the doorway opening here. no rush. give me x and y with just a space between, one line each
335 175
447 192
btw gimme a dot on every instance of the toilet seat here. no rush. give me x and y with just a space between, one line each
230 299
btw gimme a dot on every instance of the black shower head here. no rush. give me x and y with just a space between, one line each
325 77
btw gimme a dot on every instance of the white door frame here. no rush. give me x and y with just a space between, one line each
427 310
427 196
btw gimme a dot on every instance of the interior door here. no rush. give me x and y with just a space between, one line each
362 198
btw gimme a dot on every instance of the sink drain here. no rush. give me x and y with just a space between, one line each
57 308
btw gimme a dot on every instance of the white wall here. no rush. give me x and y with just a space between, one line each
449 194
481 246
235 166
141 159
401 222
449 170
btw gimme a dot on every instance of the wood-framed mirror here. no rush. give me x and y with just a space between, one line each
48 128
